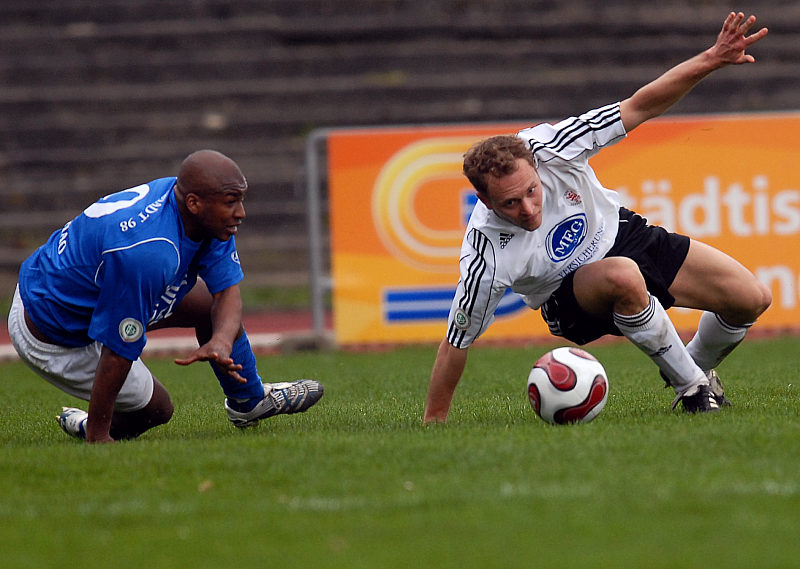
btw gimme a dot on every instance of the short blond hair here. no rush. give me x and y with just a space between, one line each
496 155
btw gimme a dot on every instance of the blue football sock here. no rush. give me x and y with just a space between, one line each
242 354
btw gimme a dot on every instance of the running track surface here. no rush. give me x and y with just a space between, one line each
266 330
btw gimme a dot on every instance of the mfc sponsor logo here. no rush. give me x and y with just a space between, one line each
565 237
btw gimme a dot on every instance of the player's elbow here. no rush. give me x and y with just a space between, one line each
639 108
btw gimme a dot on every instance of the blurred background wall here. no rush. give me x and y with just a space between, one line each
99 96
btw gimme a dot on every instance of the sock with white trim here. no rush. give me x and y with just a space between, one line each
714 340
652 331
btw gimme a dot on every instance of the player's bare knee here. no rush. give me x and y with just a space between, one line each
761 299
747 307
612 284
160 414
624 281
160 407
163 414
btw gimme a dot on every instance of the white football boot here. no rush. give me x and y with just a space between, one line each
279 399
73 422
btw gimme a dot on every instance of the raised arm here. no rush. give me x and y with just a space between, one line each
656 97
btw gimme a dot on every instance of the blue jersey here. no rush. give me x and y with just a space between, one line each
122 264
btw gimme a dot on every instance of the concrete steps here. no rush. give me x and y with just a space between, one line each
95 97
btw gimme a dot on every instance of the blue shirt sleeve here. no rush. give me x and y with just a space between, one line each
130 282
219 265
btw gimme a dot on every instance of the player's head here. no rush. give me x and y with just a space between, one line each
495 156
210 190
502 171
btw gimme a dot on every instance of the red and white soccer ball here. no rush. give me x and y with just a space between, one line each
568 385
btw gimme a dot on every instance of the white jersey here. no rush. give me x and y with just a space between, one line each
579 224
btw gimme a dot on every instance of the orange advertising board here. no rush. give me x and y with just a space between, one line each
399 205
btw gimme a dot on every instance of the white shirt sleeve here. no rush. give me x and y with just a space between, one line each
587 133
478 293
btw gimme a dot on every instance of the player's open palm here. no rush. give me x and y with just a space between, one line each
733 40
211 353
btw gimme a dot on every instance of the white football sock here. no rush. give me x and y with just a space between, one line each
653 332
714 340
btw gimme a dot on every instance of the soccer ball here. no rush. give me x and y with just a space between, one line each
568 385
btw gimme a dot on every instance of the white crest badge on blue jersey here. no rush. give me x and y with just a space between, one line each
130 330
565 237
235 257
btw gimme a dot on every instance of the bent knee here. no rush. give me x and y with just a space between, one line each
624 272
619 278
761 299
750 305
164 413
614 283
160 408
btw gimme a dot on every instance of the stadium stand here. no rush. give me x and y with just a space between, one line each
97 96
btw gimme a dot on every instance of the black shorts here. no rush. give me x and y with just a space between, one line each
659 255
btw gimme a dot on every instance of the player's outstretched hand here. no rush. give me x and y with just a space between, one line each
207 353
733 41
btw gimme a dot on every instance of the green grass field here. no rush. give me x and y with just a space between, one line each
359 482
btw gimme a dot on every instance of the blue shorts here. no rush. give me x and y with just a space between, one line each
659 255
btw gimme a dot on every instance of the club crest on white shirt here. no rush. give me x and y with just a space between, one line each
573 197
461 319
